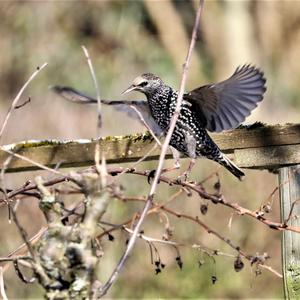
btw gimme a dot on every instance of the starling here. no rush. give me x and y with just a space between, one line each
212 107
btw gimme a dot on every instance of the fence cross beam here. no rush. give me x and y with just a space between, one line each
257 147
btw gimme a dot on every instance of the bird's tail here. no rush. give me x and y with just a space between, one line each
231 167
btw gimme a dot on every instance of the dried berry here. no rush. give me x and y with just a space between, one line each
179 262
238 264
217 186
157 271
110 237
204 209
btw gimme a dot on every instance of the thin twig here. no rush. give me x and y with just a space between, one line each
291 211
2 288
21 275
23 104
12 258
140 160
240 210
3 185
15 101
101 169
99 121
153 240
172 243
22 249
200 191
41 166
209 230
164 149
215 199
23 234
146 125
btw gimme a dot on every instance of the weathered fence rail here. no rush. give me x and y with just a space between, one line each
253 147
257 147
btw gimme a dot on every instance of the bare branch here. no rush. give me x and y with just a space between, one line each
101 169
291 211
164 149
13 258
141 159
152 240
15 101
41 166
22 249
21 275
2 288
23 233
196 187
23 104
3 185
99 122
146 125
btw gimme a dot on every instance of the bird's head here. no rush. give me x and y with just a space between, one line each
147 83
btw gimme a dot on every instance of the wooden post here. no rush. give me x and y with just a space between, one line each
289 183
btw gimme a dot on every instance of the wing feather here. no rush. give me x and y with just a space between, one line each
226 104
125 106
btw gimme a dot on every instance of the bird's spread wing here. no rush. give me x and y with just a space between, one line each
119 105
72 95
226 104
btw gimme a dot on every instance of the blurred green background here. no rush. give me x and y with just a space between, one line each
125 39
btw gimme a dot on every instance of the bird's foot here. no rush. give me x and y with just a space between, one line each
186 174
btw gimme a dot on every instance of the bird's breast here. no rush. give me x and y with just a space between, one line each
162 105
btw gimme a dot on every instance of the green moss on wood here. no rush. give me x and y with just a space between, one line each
293 281
146 136
31 144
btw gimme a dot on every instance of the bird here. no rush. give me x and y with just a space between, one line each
212 107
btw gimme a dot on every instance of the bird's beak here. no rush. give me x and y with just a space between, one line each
130 89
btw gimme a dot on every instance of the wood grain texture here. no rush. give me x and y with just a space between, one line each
267 157
289 183
260 136
252 147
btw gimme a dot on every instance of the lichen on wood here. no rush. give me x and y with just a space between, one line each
67 262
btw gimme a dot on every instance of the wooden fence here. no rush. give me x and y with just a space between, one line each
257 147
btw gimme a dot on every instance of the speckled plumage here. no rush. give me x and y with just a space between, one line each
213 107
216 107
162 105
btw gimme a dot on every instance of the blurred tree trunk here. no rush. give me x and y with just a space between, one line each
174 37
239 35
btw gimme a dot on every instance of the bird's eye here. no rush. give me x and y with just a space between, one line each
143 83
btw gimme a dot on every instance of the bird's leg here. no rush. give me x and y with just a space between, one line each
191 150
176 157
176 166
185 175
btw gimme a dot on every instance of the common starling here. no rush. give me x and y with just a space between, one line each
213 107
